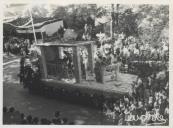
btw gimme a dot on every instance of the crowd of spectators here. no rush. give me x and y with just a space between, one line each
16 45
12 116
134 54
131 51
150 97
150 92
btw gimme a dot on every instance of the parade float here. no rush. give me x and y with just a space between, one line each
66 65
71 66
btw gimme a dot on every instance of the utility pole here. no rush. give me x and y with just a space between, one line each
112 21
117 14
32 25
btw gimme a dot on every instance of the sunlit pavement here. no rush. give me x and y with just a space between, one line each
9 58
15 95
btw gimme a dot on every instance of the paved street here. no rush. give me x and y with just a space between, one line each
15 95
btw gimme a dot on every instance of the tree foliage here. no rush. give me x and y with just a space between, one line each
75 16
127 23
149 23
152 21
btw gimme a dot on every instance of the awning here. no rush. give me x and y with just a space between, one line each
50 27
9 19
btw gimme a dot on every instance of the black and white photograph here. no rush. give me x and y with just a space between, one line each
85 64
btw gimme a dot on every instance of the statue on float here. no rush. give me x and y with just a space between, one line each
106 66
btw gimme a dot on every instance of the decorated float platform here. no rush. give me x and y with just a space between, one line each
79 73
110 89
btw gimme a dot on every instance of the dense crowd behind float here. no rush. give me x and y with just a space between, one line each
150 95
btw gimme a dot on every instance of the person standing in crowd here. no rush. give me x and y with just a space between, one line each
136 53
26 46
154 54
22 61
7 47
61 33
28 73
126 54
